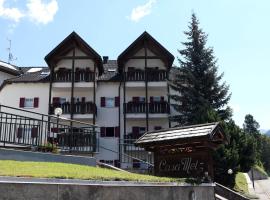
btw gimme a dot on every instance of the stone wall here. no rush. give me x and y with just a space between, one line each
18 190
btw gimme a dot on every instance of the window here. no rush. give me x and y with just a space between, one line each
157 128
141 130
137 131
156 99
109 132
29 103
62 100
136 164
109 102
141 99
115 163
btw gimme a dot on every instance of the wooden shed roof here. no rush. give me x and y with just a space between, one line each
212 131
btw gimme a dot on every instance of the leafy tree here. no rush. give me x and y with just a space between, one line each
201 96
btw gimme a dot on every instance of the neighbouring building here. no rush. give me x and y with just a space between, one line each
124 97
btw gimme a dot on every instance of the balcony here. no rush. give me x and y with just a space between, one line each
141 107
81 109
150 75
80 75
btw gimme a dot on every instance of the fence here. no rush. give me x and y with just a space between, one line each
19 127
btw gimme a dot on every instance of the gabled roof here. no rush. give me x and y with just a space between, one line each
152 44
68 44
9 68
211 131
32 77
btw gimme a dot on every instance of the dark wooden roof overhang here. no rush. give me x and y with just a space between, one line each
152 44
9 71
211 141
70 42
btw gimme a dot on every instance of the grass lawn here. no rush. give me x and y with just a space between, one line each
71 171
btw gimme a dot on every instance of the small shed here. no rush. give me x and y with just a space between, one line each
184 151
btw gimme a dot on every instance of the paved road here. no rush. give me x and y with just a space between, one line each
262 189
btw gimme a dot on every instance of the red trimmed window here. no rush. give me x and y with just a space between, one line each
29 102
109 132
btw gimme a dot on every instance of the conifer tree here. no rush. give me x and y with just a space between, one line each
200 97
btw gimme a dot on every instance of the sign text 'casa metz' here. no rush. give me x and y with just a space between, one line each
185 165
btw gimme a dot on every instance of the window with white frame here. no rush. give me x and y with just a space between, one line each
29 102
156 99
62 100
109 102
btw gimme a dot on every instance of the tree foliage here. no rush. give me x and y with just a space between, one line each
201 96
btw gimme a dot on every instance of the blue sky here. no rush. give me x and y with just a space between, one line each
238 30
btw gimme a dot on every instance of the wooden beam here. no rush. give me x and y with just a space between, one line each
146 57
73 57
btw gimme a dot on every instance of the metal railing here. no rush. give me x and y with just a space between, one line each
141 107
80 75
79 107
149 75
24 128
135 158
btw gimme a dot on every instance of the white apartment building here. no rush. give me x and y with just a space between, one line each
124 97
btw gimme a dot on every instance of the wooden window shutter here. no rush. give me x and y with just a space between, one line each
135 130
117 163
136 99
54 130
36 100
117 131
151 99
34 132
56 100
102 102
102 131
162 99
19 132
22 100
117 101
157 128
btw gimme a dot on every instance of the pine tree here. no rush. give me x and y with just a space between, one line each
251 128
200 96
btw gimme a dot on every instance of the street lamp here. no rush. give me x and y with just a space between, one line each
230 171
58 112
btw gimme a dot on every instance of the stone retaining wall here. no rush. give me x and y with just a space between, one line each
10 190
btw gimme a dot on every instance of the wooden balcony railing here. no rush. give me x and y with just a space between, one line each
141 107
78 108
149 75
80 75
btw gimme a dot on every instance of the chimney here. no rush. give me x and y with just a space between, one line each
105 59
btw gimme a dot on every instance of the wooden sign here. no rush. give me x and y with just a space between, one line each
181 165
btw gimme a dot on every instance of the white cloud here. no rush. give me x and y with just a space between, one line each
38 11
13 14
141 11
41 12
